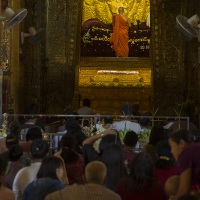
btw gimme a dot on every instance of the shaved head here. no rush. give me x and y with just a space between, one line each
95 172
121 10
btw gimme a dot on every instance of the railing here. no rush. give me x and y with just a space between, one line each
92 119
95 118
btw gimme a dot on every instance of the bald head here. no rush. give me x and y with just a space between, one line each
121 10
95 172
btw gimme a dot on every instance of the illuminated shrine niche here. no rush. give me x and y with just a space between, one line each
97 27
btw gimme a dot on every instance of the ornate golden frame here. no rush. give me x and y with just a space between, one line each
133 88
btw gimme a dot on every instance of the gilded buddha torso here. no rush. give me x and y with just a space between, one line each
104 10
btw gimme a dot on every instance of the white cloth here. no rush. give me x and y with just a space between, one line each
122 125
167 126
57 138
23 178
25 127
85 111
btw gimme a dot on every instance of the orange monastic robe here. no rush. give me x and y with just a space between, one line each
119 38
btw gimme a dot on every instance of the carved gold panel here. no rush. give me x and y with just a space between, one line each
93 77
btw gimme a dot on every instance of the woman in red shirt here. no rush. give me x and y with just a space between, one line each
187 155
141 183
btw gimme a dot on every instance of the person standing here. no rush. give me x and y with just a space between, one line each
85 109
119 38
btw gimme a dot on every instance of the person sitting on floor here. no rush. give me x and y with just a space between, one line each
30 123
95 175
129 151
113 159
186 154
128 126
16 162
48 179
108 137
141 183
11 140
5 193
73 161
157 134
32 134
165 163
39 150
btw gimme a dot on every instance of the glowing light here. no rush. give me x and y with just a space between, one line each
117 72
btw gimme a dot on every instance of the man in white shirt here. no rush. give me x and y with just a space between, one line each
85 110
129 126
39 150
30 123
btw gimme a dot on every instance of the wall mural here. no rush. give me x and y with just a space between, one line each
97 27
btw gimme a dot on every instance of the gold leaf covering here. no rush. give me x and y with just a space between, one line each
105 9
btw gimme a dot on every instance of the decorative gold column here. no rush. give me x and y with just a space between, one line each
167 54
63 52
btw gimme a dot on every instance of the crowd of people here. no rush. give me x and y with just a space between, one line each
167 167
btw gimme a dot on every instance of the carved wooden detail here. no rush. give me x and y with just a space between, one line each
33 55
168 75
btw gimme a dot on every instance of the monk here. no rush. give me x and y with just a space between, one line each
119 38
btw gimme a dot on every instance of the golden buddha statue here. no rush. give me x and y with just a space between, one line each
105 9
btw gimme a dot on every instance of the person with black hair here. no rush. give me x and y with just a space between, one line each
145 122
157 134
5 193
165 163
187 155
39 149
113 159
73 161
71 127
129 152
12 140
93 189
15 164
107 122
108 137
75 129
30 123
85 109
14 128
141 182
32 134
48 179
